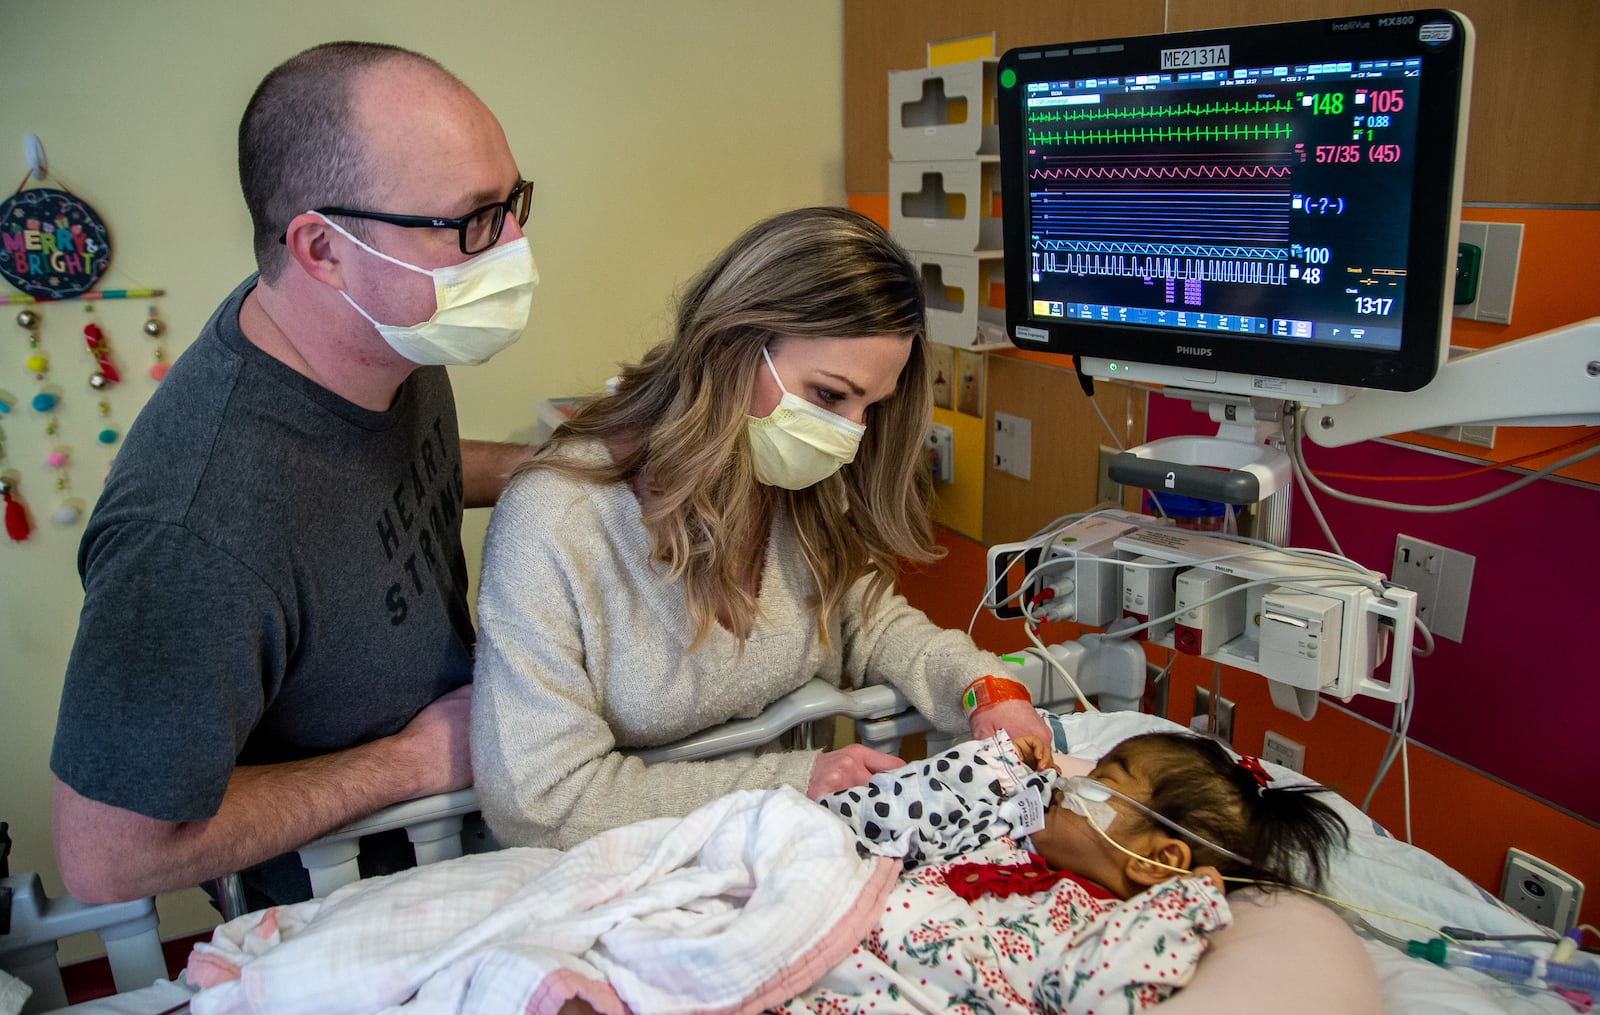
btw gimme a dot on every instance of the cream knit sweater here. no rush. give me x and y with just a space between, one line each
583 651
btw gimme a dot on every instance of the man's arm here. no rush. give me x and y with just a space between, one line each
485 468
108 854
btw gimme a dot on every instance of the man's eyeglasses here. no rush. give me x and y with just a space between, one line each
476 231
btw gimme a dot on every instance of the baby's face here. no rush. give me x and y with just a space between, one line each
1069 842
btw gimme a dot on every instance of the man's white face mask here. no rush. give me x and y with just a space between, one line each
482 305
799 444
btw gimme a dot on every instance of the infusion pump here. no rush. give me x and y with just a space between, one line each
1308 622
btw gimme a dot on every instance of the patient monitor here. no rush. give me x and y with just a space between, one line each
1262 219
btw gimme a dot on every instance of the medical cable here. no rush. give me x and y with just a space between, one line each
1398 738
1307 553
1289 427
1468 474
1095 405
1054 663
1052 530
1297 451
1468 934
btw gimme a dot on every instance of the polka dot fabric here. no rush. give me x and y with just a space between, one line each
946 806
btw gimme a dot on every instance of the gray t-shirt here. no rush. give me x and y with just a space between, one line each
271 573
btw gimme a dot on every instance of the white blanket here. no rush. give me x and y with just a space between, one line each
732 909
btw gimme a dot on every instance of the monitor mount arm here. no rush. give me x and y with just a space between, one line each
1549 379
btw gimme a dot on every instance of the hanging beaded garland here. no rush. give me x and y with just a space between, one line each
104 377
155 328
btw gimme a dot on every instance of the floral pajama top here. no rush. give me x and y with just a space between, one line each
979 925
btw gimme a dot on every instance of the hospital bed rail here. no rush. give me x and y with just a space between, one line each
435 826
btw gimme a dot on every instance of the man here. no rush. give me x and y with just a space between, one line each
275 638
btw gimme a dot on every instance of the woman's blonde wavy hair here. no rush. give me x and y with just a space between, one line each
677 420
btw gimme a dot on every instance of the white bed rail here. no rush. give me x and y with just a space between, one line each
435 824
37 922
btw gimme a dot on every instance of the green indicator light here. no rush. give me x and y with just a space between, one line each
1115 368
1008 78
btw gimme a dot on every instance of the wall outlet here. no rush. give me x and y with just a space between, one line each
1013 445
1544 894
1501 244
941 453
1440 577
1107 490
1200 720
1276 747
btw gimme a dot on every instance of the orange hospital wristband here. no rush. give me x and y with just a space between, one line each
991 690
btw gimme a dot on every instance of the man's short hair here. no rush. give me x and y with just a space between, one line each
298 145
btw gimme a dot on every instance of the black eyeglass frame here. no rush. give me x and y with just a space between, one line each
522 192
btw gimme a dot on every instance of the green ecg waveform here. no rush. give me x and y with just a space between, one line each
1229 132
1185 109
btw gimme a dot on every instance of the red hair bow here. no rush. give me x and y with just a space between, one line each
1255 769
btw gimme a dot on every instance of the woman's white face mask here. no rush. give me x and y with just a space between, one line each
481 305
799 444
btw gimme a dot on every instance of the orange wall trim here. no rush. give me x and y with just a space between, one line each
873 206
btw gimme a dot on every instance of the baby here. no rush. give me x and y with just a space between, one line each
1100 899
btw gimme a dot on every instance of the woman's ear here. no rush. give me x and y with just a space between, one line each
1165 850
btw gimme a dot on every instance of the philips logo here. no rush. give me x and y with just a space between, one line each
1193 350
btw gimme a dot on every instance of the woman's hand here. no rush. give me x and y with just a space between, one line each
846 767
1017 718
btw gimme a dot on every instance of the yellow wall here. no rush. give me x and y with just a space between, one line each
655 133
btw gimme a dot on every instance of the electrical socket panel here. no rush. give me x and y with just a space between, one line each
1277 748
1013 445
1441 578
1107 490
1202 711
1547 895
941 453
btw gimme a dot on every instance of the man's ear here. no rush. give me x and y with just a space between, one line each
308 240
1164 849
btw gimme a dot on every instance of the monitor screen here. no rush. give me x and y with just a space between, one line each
1268 210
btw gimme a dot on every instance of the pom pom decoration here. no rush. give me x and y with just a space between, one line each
16 514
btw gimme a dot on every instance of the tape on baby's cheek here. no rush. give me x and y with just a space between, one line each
1099 811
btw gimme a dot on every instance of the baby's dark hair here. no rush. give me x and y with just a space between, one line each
1286 831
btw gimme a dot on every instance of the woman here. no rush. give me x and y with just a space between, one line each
723 528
